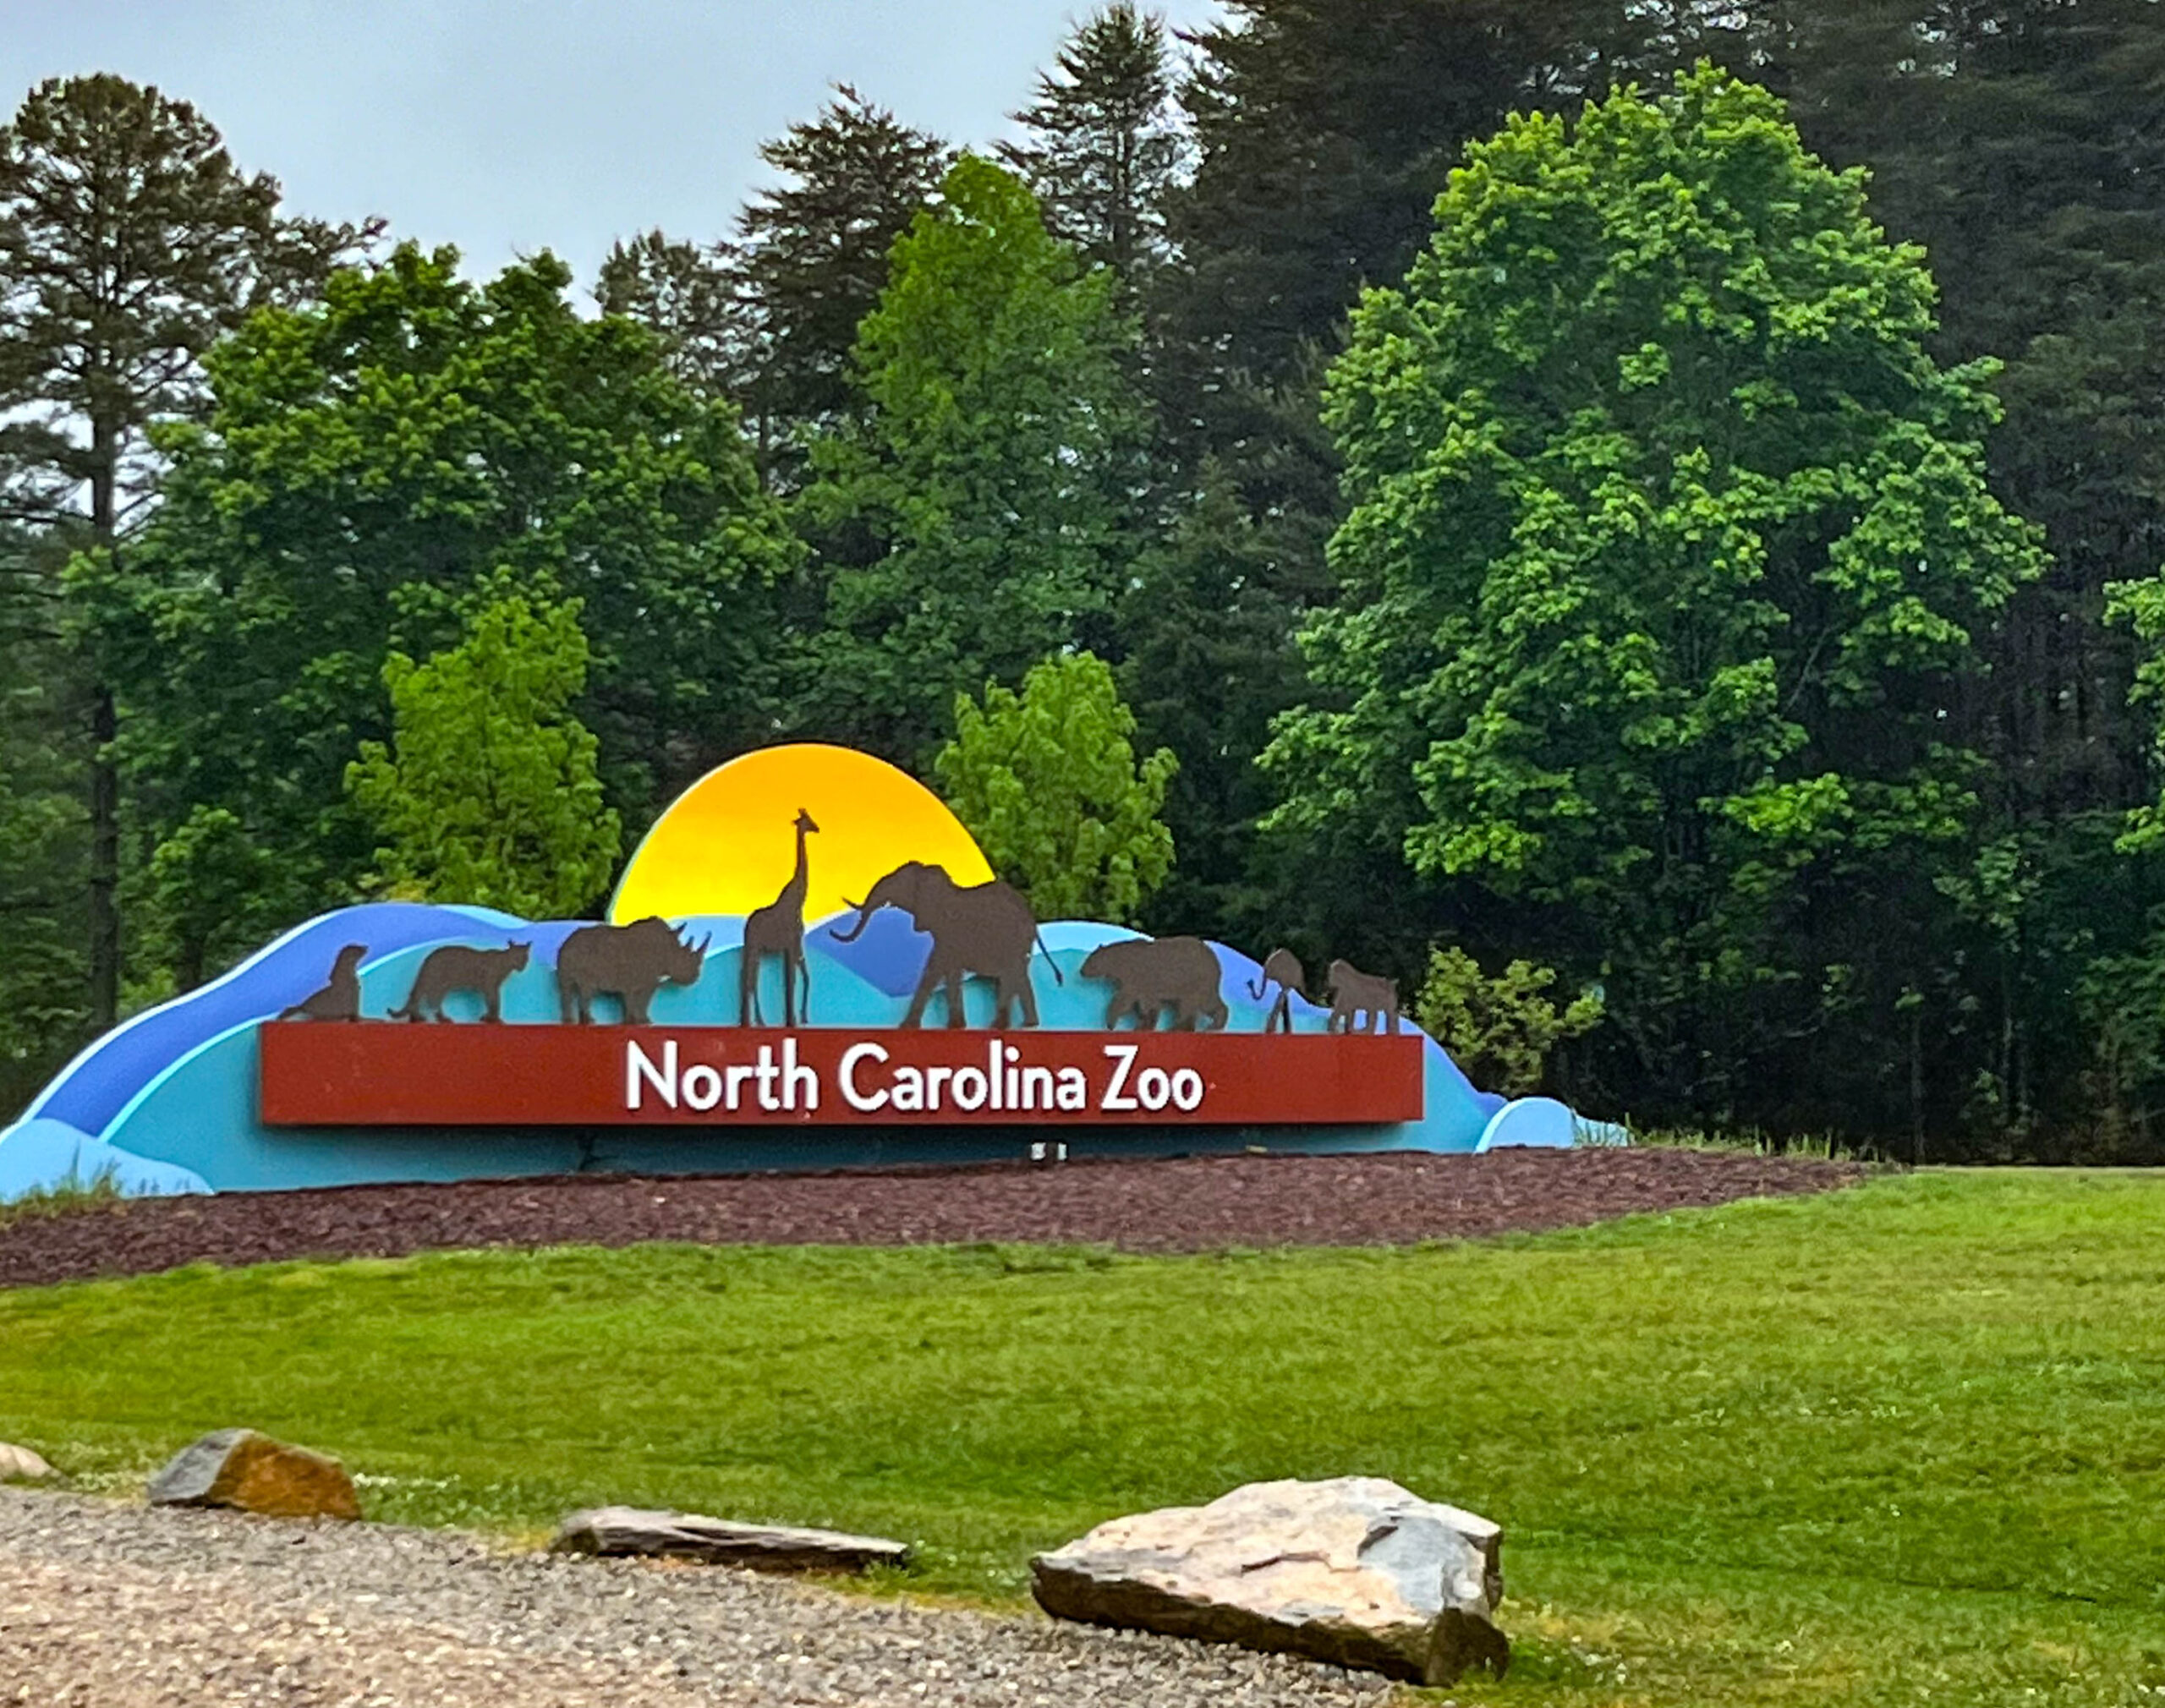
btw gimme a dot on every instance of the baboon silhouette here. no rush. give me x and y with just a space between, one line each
1361 1001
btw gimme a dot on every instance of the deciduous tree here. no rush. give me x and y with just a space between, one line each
1049 783
364 469
487 791
1669 554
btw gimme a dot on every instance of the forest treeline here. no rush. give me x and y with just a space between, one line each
1667 491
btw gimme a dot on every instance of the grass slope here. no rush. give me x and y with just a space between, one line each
1905 1444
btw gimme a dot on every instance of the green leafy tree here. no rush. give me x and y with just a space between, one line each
129 242
1668 553
366 467
487 793
1048 782
1500 1031
2139 606
993 488
210 895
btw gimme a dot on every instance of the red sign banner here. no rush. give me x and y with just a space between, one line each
358 1075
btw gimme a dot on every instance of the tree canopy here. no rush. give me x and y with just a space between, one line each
1669 553
993 481
1049 783
1602 518
487 792
364 468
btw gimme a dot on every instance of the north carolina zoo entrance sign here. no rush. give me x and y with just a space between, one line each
428 1076
808 964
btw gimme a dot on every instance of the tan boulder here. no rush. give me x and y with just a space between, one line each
252 1473
20 1465
1355 1570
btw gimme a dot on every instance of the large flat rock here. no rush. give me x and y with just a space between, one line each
252 1473
620 1530
1355 1570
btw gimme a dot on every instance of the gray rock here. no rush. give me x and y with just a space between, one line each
1356 1570
20 1465
691 1536
250 1472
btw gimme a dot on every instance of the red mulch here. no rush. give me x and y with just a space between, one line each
1187 1204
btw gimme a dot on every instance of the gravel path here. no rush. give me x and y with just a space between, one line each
1192 1204
105 1605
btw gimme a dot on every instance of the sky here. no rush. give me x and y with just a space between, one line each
562 124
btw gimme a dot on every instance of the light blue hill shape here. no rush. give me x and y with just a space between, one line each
194 1111
92 1090
41 1153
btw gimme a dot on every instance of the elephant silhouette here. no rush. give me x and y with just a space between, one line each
1283 969
982 930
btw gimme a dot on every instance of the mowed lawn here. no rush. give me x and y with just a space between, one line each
1905 1444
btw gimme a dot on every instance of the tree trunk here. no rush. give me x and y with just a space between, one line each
105 773
105 865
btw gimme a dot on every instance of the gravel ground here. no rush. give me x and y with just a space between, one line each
1191 1204
105 1606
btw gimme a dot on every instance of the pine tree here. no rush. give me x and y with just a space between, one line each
992 485
811 252
129 242
686 294
1324 133
1105 142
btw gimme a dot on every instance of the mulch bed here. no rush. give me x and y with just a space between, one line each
1191 1204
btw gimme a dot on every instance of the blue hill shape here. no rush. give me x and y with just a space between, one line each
167 1102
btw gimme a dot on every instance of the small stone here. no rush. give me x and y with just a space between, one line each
720 1541
20 1465
252 1473
1356 1570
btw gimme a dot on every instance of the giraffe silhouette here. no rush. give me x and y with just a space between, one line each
778 929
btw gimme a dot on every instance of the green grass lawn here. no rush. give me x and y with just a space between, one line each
1900 1444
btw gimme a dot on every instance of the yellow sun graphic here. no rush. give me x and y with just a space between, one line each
728 843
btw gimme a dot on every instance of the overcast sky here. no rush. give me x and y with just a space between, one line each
562 124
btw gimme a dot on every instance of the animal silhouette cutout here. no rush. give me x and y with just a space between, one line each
455 967
983 929
1285 971
629 962
341 998
1357 998
778 929
1150 976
